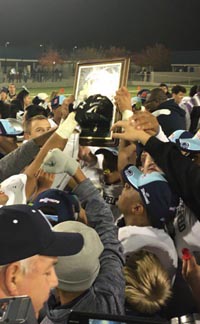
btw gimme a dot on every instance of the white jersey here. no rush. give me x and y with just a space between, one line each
110 195
154 240
187 230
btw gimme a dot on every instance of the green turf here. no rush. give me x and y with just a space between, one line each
69 90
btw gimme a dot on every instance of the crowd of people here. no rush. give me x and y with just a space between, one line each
110 230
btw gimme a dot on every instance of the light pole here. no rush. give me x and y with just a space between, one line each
53 77
5 67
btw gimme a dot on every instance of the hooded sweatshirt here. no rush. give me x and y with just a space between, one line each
170 116
106 295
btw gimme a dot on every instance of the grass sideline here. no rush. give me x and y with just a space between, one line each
69 90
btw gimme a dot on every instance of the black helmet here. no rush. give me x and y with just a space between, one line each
94 115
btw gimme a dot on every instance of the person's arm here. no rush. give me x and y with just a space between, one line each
182 174
16 161
126 155
191 274
57 140
7 144
109 287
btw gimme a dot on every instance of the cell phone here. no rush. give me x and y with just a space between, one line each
95 318
16 310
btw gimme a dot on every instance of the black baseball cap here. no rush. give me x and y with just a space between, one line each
25 232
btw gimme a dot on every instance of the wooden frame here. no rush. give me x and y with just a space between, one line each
100 77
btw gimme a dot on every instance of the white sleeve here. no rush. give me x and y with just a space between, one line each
161 135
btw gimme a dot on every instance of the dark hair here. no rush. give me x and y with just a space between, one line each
163 85
4 110
34 110
36 100
193 90
157 96
178 88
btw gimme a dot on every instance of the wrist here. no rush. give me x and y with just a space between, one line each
67 127
79 176
127 113
143 137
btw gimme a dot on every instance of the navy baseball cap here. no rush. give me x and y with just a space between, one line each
25 232
186 141
142 94
156 194
57 101
58 205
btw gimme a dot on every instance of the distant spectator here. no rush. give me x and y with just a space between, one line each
178 92
4 94
11 92
165 88
23 99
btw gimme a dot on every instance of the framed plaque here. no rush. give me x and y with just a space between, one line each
104 78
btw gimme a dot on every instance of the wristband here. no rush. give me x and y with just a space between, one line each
67 127
126 114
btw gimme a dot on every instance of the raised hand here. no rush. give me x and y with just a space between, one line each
123 99
56 161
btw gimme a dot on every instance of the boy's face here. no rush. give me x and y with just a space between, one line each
38 127
178 97
128 197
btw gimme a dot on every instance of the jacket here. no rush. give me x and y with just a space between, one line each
14 162
170 116
107 292
182 174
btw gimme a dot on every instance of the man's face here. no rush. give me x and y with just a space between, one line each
164 88
38 127
27 101
38 281
57 113
178 97
128 197
12 89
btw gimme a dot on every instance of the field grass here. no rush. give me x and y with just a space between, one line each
69 90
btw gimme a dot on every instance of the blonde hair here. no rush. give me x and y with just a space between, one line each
148 286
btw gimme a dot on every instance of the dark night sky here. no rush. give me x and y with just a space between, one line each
133 24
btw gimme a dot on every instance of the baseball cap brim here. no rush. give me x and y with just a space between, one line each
64 244
189 144
185 140
106 150
131 174
178 134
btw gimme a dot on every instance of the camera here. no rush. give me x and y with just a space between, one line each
18 309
